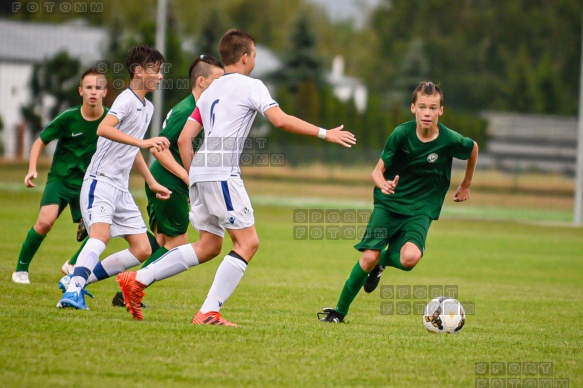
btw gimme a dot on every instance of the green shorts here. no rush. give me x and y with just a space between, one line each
169 217
392 229
58 193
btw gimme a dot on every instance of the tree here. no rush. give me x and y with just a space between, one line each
301 64
547 85
211 33
471 48
55 79
121 39
6 8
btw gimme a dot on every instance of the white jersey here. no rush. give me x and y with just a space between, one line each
227 110
113 161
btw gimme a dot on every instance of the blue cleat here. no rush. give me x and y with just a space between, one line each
74 300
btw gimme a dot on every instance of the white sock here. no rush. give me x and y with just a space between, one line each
169 264
228 276
112 265
88 258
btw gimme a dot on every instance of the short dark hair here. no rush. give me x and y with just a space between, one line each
143 56
91 71
429 89
233 45
201 67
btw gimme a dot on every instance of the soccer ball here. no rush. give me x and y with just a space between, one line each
444 315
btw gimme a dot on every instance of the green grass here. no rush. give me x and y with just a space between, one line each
524 280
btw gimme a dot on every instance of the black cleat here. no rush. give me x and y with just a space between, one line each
373 279
331 315
118 301
81 231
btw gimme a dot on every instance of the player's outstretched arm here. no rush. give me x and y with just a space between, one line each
35 151
293 124
140 165
190 131
169 163
463 191
107 128
387 187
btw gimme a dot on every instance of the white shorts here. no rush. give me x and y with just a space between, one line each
219 205
102 202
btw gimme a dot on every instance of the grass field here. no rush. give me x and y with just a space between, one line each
523 279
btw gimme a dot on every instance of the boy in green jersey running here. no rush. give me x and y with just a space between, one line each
76 131
168 219
411 180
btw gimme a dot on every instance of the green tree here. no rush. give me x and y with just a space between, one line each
301 63
518 89
547 85
6 8
471 47
175 83
56 78
211 33
56 11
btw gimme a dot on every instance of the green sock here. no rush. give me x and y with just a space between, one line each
156 255
392 260
153 243
73 260
29 247
351 288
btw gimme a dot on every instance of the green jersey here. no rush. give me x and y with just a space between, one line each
424 169
77 140
171 129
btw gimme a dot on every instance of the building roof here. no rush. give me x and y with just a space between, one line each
34 42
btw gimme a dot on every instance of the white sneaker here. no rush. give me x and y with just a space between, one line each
20 277
67 269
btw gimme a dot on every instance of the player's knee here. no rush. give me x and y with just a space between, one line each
248 248
253 245
214 250
410 258
142 252
369 260
43 226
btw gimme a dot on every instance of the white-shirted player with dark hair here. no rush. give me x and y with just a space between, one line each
218 197
108 207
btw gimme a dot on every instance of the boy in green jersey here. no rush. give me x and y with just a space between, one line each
168 219
76 132
411 180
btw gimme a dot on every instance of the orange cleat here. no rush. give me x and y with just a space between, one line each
211 318
133 293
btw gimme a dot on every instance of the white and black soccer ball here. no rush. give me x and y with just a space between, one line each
444 315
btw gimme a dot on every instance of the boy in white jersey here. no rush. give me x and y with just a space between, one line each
217 194
107 206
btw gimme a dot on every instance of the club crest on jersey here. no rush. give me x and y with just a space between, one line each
432 158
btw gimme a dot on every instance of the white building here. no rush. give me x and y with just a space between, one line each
24 44
357 11
346 88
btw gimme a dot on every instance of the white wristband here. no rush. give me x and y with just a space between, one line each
322 134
